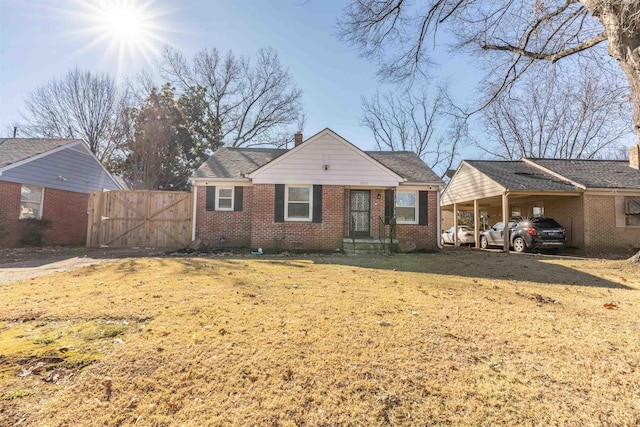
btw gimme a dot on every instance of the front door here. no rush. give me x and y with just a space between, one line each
360 213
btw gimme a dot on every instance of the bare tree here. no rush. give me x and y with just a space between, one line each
558 114
252 102
80 105
412 121
396 33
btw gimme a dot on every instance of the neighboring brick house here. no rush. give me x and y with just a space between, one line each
47 181
323 194
596 201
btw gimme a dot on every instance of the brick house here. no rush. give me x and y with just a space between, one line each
596 201
47 181
323 194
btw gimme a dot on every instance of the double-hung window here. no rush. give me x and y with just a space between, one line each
632 211
31 198
298 203
224 199
407 207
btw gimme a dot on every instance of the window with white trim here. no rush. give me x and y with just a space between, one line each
31 197
298 203
407 207
632 211
538 209
224 198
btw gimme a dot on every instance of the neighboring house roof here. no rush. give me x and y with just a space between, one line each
230 163
594 173
14 150
518 175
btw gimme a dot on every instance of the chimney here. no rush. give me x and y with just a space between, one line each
297 138
634 156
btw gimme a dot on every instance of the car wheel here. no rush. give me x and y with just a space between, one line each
484 243
519 245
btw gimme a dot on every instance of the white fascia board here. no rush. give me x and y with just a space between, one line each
337 137
428 185
41 155
226 181
612 192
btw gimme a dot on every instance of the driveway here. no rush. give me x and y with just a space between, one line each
27 263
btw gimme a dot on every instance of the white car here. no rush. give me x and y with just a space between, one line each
465 235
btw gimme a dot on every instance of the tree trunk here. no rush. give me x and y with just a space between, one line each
631 68
621 21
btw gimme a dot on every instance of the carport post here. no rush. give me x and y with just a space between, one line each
476 222
505 221
455 224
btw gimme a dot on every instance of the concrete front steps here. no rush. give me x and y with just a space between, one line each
368 246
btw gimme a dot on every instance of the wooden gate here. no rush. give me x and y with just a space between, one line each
139 218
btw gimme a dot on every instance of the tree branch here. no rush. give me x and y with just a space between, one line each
553 57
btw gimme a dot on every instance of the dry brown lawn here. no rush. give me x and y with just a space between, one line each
453 338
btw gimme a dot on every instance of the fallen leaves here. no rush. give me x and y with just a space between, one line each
611 305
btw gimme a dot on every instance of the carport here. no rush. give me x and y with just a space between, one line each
505 189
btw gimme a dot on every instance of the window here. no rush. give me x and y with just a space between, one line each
31 202
224 199
632 211
406 207
516 211
538 209
298 204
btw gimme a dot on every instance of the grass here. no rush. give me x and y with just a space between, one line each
455 338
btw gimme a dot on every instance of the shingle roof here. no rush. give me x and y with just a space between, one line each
13 150
407 164
234 163
595 173
518 175
229 162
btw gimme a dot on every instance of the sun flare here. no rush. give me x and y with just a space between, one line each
129 30
124 22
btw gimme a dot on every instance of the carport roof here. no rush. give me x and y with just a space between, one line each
517 175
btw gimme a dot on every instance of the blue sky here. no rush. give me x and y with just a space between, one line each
42 39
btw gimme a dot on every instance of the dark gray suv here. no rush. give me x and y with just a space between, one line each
526 233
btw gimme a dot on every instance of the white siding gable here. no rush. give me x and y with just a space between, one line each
326 159
469 183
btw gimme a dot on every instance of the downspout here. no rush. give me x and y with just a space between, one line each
439 225
195 207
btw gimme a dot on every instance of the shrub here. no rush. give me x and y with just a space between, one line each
34 229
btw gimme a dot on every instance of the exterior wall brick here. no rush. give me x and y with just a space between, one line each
414 236
600 226
298 235
12 229
66 210
234 228
255 226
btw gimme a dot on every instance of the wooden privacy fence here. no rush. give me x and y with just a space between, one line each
139 218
